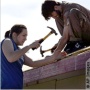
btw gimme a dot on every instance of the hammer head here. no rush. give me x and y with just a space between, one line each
41 52
52 30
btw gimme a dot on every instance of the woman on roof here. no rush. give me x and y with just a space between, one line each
13 58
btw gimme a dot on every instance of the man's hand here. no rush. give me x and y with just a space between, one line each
61 55
53 48
55 57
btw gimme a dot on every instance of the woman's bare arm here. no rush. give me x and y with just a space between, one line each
12 55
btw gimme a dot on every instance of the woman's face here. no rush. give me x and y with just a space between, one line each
22 37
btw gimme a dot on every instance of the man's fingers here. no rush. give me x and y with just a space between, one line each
63 53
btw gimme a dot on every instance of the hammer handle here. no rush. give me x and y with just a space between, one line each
52 50
47 35
39 42
43 39
46 50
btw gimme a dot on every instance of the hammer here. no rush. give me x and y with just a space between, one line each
51 32
43 51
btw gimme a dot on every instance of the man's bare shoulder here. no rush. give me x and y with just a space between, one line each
66 14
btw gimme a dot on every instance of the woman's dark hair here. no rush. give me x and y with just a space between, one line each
7 34
48 8
17 28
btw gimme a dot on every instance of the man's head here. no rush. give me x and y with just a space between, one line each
48 8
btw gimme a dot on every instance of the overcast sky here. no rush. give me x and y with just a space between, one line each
28 12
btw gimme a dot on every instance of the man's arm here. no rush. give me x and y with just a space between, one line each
65 37
63 40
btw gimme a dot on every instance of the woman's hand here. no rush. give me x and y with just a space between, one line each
35 44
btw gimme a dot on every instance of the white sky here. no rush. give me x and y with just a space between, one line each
28 12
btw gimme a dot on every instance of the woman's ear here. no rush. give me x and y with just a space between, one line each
14 34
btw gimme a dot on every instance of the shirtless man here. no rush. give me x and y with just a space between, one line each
73 23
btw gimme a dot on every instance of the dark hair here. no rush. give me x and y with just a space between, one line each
7 34
17 28
48 8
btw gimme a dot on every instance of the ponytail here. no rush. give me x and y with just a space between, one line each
7 34
17 28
